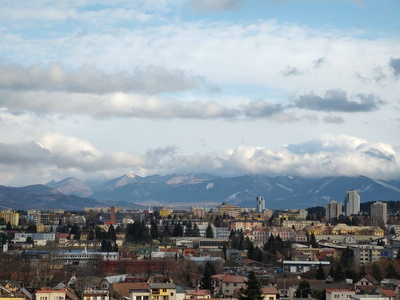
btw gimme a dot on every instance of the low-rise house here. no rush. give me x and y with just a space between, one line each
365 284
162 291
270 293
226 285
140 291
198 294
93 294
339 294
46 293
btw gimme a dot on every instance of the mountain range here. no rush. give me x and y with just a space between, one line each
186 190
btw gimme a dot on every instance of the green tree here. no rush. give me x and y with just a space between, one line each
339 275
303 290
313 241
8 226
347 257
76 231
196 230
111 233
209 232
253 289
166 232
189 229
398 255
154 230
178 230
91 235
390 271
31 228
362 271
206 281
376 272
392 231
320 273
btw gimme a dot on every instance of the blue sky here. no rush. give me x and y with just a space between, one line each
97 89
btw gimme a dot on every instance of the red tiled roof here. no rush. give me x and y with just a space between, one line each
198 292
389 293
269 290
234 278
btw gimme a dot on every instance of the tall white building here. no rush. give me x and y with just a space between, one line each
333 210
260 203
352 203
378 212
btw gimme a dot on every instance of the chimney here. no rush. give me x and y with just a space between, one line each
112 215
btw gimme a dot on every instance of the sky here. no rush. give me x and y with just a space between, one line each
95 89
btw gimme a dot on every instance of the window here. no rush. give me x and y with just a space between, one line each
138 297
145 297
235 284
164 290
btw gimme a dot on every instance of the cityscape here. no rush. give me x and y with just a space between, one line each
199 149
334 252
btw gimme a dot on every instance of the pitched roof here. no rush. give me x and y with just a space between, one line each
198 292
267 290
389 293
123 289
234 278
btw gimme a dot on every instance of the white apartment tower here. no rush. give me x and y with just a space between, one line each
378 212
260 201
333 210
352 203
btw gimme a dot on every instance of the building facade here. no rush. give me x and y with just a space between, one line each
333 210
352 203
260 201
379 212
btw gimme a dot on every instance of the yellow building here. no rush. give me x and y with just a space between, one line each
10 216
163 291
165 212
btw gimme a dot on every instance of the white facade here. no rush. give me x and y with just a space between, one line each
352 203
260 201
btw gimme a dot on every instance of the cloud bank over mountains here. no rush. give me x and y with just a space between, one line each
55 155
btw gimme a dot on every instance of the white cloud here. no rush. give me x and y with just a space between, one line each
329 156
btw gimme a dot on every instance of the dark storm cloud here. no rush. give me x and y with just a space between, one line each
338 101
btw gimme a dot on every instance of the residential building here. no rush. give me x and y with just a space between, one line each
226 285
352 203
299 224
197 294
140 292
245 224
333 210
339 294
222 232
364 254
302 266
165 212
93 294
269 293
229 210
379 213
46 293
10 216
162 291
260 202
